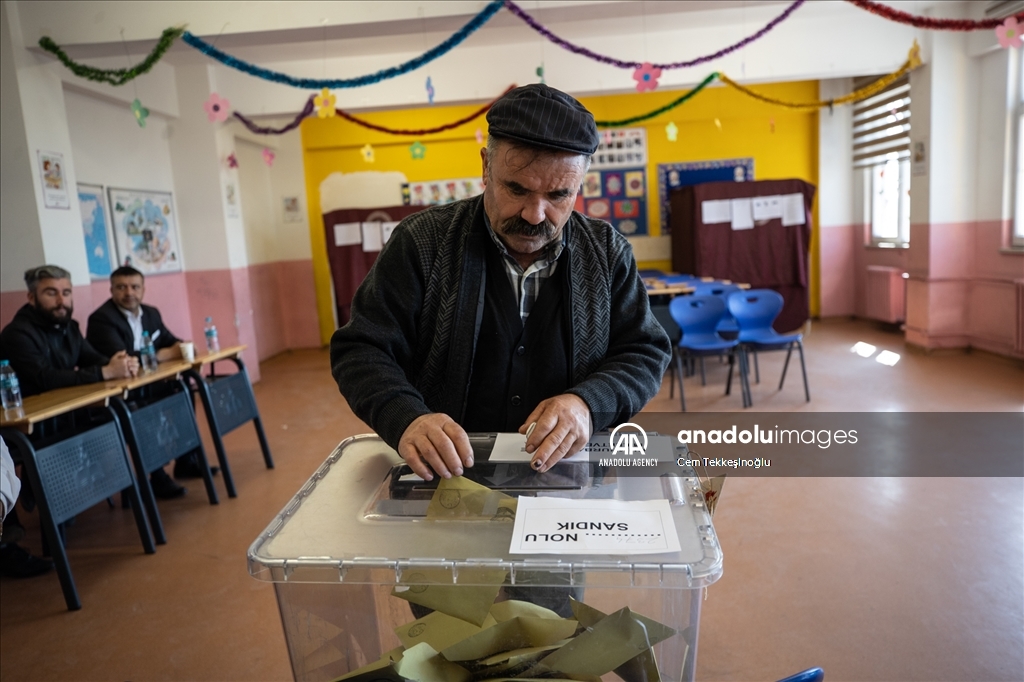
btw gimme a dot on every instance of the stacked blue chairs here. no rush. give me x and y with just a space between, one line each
755 311
727 326
697 317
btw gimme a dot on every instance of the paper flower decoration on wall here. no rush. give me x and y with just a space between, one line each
268 157
417 150
324 103
367 152
672 131
232 160
1008 33
646 77
430 90
217 108
140 112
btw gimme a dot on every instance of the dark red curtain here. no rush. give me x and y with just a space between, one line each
768 256
349 263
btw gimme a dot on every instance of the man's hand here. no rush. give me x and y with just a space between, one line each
435 441
563 428
121 366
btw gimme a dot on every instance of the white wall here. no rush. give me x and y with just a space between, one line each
257 203
835 156
112 150
46 129
263 188
21 243
1000 86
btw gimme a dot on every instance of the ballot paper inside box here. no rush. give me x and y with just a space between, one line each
365 575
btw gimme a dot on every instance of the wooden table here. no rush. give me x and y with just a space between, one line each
229 353
670 290
38 408
170 369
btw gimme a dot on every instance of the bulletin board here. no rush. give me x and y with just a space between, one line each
615 188
618 196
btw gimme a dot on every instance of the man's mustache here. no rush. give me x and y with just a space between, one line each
517 226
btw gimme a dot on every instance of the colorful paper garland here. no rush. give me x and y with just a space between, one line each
335 83
929 23
114 76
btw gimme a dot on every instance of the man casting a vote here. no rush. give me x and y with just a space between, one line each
504 312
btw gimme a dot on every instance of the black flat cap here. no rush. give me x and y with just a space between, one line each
540 116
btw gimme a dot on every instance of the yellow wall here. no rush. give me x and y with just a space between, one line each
790 151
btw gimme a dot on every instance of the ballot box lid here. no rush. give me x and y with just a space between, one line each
360 519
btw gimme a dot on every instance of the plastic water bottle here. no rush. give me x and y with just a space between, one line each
10 389
147 353
212 344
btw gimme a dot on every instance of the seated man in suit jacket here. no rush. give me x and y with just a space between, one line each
118 325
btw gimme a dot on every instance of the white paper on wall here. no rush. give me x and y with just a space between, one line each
346 234
385 231
742 216
793 212
372 240
715 212
767 208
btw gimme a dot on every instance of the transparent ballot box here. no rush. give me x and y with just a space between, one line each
379 573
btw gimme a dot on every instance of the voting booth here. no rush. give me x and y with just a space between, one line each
499 574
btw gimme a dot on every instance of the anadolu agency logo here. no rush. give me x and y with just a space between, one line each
626 442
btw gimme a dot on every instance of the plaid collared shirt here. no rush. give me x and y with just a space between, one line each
527 283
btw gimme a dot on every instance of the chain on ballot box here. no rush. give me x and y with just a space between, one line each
592 570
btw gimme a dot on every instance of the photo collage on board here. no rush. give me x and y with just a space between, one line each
615 188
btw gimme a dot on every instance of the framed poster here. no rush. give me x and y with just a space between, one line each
96 230
145 230
673 175
55 186
617 196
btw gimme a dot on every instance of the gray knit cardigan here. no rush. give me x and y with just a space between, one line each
408 348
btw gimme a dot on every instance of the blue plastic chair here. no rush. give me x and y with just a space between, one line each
727 326
809 675
697 317
755 311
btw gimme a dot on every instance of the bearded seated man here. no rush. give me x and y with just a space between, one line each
47 351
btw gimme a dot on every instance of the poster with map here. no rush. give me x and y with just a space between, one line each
145 230
96 230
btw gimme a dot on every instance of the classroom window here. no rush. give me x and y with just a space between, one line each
881 152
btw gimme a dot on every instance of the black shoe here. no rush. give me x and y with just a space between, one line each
164 486
15 562
189 468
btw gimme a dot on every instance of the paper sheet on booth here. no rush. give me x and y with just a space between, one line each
552 525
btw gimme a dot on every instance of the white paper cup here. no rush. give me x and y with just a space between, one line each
188 351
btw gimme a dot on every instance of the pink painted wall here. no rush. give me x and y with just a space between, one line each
274 305
298 306
268 319
966 296
838 273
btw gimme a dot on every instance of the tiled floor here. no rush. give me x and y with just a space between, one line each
872 579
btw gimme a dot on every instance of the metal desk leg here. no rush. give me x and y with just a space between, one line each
211 420
141 479
264 446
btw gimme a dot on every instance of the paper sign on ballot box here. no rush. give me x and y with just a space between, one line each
550 525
